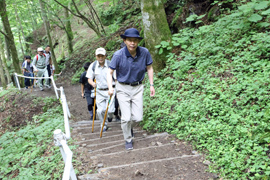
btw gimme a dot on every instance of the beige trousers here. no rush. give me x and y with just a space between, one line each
40 73
130 100
102 99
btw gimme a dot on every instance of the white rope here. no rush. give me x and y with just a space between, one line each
28 77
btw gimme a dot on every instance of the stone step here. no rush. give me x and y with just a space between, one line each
105 138
172 168
88 129
106 134
94 135
89 124
143 154
81 137
115 146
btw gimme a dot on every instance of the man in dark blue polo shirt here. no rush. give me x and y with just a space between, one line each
131 64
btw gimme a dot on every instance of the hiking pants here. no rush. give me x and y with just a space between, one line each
130 100
27 81
102 99
49 73
40 73
90 101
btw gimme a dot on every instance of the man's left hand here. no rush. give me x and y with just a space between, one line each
152 91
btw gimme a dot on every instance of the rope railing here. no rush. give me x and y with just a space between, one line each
51 77
60 138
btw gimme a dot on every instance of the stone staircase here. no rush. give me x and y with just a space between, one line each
154 157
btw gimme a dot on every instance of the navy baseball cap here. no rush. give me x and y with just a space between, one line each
132 32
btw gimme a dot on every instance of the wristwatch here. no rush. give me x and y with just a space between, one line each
151 84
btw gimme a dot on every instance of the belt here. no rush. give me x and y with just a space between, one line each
132 84
105 89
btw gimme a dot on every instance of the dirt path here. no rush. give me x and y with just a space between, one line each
155 156
77 105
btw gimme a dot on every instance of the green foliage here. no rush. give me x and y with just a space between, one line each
110 45
177 14
111 14
76 77
217 92
116 14
30 152
7 91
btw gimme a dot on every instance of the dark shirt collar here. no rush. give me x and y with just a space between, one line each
138 52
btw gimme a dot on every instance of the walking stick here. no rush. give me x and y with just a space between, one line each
105 116
94 110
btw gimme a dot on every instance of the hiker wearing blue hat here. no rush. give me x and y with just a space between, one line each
131 63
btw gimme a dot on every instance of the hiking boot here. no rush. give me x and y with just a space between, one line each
105 128
41 89
132 132
117 119
129 145
48 86
109 119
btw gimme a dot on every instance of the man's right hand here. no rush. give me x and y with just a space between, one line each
94 85
110 92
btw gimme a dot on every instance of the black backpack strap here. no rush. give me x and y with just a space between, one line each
94 66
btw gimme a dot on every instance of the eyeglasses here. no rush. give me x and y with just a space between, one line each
135 40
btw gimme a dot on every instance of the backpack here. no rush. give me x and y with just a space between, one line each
37 56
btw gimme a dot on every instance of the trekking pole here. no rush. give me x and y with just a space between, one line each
94 110
105 116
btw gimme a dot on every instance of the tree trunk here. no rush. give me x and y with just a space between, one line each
4 17
46 23
4 61
20 40
69 32
21 28
156 29
7 47
2 76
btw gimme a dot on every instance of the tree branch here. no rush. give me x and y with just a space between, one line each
55 14
97 17
67 9
2 32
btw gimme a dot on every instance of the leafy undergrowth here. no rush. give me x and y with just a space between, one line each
29 152
26 106
215 93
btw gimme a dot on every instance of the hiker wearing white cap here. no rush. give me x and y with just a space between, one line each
39 65
98 70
